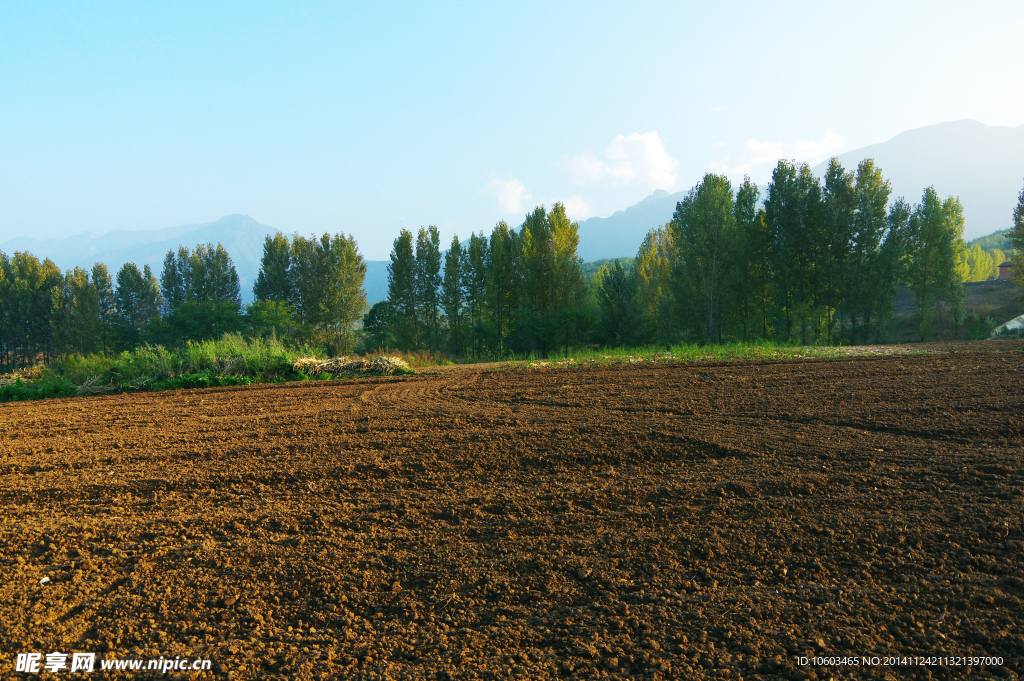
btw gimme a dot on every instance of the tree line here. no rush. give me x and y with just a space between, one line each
808 260
309 290
513 291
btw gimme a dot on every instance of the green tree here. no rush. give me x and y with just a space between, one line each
172 279
28 307
75 320
105 291
329 273
705 235
346 297
749 256
979 263
502 285
1016 236
568 285
652 273
213 276
889 270
271 319
839 198
202 275
428 281
308 282
402 290
6 314
616 297
474 284
794 218
274 281
535 263
953 214
548 274
137 303
453 295
935 240
379 324
871 196
201 295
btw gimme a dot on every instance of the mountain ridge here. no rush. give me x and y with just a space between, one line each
982 164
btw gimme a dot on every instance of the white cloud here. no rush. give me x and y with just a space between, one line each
512 195
637 158
577 208
725 166
760 154
812 152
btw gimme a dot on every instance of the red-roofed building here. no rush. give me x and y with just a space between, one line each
1005 271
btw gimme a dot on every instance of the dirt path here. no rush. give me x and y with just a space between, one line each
647 521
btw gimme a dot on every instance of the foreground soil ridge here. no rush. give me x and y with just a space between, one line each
636 521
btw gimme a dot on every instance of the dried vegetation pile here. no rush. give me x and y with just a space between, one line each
344 367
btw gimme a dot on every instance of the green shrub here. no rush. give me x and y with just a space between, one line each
41 389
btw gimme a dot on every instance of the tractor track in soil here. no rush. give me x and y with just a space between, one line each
647 521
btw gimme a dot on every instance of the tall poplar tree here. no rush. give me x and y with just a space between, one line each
705 237
536 265
428 282
1017 240
137 303
839 199
502 285
453 295
617 299
871 196
474 283
890 269
105 291
327 277
75 320
29 306
173 278
794 216
274 281
402 290
935 239
749 257
344 294
568 287
652 272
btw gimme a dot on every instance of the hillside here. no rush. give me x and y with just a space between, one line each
988 304
620 235
999 239
982 164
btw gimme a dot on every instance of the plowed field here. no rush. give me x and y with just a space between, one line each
650 521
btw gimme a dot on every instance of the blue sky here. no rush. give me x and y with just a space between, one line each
369 117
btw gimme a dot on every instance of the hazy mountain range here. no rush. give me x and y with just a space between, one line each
983 165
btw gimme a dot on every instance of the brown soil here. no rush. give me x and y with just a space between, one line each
637 521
